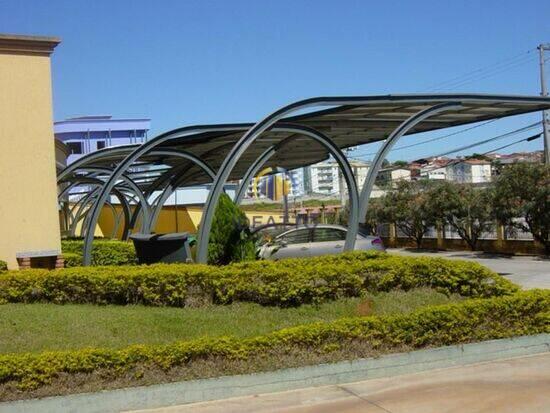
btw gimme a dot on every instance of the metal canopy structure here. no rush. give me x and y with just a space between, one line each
294 136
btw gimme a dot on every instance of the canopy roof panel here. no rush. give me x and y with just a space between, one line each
348 121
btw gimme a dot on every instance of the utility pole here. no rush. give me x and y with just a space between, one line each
544 92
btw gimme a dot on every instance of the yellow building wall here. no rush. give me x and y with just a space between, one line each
188 219
180 219
28 208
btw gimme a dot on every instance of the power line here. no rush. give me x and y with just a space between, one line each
485 75
438 137
459 161
478 143
483 70
505 135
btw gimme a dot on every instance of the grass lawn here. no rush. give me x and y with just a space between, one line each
37 327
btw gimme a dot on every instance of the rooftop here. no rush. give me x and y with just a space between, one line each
29 45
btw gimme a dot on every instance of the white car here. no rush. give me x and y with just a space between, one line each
310 241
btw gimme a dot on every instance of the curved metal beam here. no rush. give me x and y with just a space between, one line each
145 208
83 161
170 188
130 159
252 171
388 145
237 152
168 176
97 182
268 122
258 128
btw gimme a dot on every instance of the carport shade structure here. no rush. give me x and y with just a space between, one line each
335 122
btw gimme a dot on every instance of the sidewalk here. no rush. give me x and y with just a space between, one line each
505 386
529 272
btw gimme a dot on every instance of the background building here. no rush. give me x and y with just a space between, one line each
86 134
475 171
325 177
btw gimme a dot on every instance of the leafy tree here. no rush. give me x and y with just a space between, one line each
230 238
522 190
400 163
467 209
409 205
375 215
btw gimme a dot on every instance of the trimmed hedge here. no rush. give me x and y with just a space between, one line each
472 320
284 283
104 252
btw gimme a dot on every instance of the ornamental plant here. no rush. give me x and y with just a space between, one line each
230 238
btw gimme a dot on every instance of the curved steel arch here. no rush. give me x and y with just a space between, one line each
257 129
255 167
253 133
83 161
171 187
388 145
131 158
145 209
168 176
252 171
123 202
333 149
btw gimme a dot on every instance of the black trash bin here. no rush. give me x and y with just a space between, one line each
151 248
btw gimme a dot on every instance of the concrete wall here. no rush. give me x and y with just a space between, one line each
29 222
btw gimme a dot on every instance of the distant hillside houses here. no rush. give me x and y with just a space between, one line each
325 178
477 169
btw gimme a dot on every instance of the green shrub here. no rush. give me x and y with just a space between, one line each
104 252
3 265
524 313
284 283
230 239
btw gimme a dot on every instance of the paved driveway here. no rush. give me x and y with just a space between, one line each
504 386
529 272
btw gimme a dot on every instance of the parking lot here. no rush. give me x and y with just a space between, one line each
529 272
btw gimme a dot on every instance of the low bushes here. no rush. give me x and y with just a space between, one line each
3 265
472 320
104 252
285 283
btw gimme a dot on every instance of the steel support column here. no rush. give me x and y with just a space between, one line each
128 161
172 186
231 160
388 145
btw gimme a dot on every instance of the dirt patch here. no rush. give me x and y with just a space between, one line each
365 308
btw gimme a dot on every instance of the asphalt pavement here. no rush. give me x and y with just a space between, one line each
526 271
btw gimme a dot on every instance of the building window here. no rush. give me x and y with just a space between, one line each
100 144
75 148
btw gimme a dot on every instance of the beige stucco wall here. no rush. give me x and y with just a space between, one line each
28 206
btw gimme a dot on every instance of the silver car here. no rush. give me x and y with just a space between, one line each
310 241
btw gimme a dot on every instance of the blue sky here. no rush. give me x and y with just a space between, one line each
187 62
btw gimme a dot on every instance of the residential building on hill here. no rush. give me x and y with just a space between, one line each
476 171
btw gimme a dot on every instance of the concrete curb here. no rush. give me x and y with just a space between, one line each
288 379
